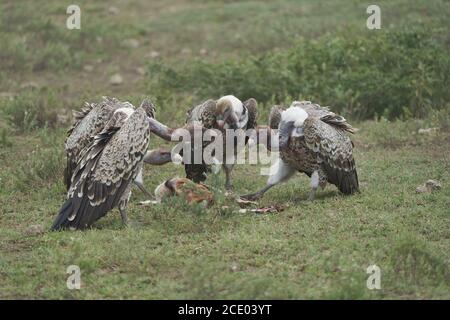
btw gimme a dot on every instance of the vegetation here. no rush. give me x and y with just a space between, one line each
393 73
391 84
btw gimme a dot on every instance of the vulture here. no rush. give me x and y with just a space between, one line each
106 168
228 112
89 122
312 140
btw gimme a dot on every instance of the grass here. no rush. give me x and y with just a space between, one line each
309 251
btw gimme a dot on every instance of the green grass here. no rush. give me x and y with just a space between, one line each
394 73
310 250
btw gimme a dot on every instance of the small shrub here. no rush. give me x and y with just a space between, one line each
392 73
44 164
413 263
54 56
31 109
397 133
5 138
13 55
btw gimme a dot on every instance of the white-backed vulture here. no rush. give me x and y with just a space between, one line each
312 140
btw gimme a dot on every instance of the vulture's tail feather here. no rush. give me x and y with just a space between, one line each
61 220
345 180
68 172
348 182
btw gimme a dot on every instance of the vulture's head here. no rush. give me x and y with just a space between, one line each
231 113
291 125
149 107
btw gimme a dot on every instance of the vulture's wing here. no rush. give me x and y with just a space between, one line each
338 122
316 111
196 171
203 114
312 109
87 123
275 116
252 108
106 169
335 150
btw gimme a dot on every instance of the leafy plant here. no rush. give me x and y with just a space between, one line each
395 73
31 109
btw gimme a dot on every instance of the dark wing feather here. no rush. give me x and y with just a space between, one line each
312 109
196 172
78 116
87 123
71 164
338 122
252 108
71 153
275 116
335 150
203 114
323 113
104 173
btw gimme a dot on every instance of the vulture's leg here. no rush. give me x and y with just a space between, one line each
228 168
140 185
139 182
124 216
258 194
281 172
122 205
314 185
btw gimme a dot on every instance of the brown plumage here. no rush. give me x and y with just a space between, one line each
275 116
106 169
313 140
88 122
227 112
195 171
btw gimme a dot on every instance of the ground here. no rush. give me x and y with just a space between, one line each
310 250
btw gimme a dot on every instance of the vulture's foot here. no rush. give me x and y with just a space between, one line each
252 196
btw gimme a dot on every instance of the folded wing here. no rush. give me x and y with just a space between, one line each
335 150
105 171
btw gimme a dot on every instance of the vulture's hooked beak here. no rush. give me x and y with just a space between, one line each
227 120
232 120
220 124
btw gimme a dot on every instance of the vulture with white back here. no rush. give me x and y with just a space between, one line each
312 140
